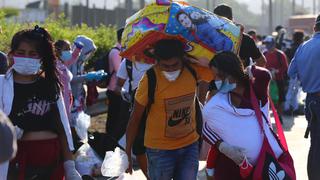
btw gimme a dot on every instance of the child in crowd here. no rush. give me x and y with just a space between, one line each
66 57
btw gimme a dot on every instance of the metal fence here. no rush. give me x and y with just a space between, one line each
94 16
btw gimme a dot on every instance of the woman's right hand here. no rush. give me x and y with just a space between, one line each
129 169
236 154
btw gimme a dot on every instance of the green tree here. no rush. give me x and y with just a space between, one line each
61 28
10 12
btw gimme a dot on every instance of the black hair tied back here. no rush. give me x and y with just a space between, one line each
40 31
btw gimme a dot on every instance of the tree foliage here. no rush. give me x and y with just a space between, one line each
10 12
61 28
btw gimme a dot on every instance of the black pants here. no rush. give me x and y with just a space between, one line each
282 92
118 116
312 113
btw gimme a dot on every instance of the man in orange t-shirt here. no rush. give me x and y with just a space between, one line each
171 138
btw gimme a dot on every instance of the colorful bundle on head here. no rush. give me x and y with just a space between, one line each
203 33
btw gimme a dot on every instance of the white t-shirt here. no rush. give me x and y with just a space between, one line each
138 70
237 127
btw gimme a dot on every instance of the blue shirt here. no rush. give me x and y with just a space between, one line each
306 65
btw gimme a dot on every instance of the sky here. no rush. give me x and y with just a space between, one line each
254 5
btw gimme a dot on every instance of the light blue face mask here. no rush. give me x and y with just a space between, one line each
66 55
225 86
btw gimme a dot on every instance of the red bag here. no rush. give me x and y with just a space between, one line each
268 167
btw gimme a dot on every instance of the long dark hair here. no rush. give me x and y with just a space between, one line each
230 64
199 21
43 42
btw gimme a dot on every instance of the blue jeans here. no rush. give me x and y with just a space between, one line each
178 164
312 111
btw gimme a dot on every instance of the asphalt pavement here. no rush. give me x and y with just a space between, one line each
294 128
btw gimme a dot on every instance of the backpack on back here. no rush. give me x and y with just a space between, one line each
103 63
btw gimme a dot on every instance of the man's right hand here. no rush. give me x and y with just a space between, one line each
129 170
236 154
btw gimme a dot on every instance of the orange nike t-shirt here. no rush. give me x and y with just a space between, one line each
171 120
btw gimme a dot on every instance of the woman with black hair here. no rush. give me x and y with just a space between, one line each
31 96
231 125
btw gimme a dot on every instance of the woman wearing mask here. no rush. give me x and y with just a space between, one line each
66 58
80 78
31 97
231 124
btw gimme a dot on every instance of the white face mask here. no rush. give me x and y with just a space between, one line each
171 76
26 66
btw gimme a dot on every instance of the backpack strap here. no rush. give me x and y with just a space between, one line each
193 72
129 69
259 116
152 82
115 48
280 132
198 113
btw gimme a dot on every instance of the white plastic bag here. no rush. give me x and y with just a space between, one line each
87 161
122 141
82 125
292 96
115 163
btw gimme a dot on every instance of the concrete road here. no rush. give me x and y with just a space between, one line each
298 146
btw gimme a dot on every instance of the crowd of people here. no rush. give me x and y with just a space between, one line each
167 111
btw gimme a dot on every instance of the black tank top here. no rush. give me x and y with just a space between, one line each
31 109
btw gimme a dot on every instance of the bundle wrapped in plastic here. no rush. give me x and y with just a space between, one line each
203 33
292 96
